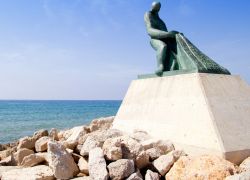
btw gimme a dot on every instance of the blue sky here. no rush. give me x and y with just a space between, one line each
92 49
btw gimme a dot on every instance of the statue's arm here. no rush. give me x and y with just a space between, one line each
155 33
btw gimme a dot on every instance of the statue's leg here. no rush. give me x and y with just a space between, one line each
161 51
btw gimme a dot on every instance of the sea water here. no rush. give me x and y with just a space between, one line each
23 118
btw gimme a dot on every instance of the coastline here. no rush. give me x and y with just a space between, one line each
96 151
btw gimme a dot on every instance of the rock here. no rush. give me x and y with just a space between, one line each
97 165
112 149
241 176
70 144
135 176
101 123
150 175
41 144
83 166
140 136
163 146
130 147
8 161
90 143
32 173
142 160
70 151
20 154
32 160
7 168
6 153
153 153
27 142
60 135
205 167
78 148
41 133
76 133
61 162
245 165
121 168
164 163
53 134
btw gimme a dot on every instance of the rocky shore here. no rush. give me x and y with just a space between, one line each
96 151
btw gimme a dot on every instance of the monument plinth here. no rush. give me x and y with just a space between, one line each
199 112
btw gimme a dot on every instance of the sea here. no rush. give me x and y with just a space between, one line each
22 118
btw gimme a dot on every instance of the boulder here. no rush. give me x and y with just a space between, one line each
82 178
90 143
20 154
27 142
8 161
241 176
245 165
164 163
61 162
32 160
5 153
205 167
41 144
142 160
41 133
121 168
7 168
101 123
135 176
70 144
112 149
97 165
83 165
76 133
41 172
53 134
153 153
150 175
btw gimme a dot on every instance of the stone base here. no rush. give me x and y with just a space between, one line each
200 113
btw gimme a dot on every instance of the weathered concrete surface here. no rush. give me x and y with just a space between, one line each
201 113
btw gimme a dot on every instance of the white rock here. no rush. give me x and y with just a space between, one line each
53 134
82 178
112 149
83 166
76 133
163 145
32 160
150 175
20 154
121 168
7 168
241 176
41 144
245 165
61 162
90 143
164 163
97 165
153 153
101 123
135 176
27 142
32 173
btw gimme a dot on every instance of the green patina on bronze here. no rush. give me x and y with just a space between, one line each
175 53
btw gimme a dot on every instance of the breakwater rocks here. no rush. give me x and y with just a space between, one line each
99 152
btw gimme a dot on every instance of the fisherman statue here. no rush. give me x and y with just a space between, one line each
174 51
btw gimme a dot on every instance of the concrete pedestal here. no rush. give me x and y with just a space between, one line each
200 113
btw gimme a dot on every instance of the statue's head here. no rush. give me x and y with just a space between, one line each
156 6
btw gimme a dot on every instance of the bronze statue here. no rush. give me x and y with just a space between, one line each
174 50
